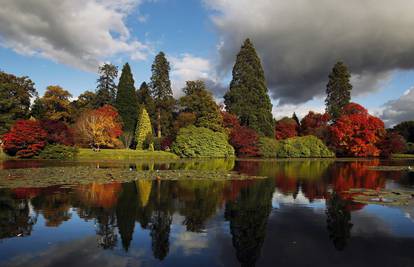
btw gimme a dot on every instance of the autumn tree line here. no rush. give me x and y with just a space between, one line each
120 115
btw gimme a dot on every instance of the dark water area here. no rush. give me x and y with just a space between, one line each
301 214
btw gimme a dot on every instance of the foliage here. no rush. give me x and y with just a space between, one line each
58 132
248 96
126 100
25 139
144 128
162 93
316 124
268 147
244 140
56 104
392 143
37 109
61 152
302 147
199 101
338 90
86 101
192 142
184 119
124 154
106 88
100 127
357 133
145 99
286 128
406 129
15 95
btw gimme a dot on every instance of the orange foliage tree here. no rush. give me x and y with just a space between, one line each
316 124
286 128
357 133
100 127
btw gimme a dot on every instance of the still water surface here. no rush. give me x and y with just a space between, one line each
300 215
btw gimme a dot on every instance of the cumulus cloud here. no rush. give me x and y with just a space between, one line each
398 110
187 67
300 40
79 33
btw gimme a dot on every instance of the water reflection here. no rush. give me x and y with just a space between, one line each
251 215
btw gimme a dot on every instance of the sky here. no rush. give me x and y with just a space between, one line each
63 43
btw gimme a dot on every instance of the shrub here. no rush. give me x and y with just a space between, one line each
268 147
25 139
391 144
58 152
410 148
286 128
194 141
244 140
303 147
58 132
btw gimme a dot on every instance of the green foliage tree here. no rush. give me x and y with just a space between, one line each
145 99
406 130
126 99
15 94
106 88
85 101
37 110
162 93
248 95
338 90
56 104
144 128
199 101
200 142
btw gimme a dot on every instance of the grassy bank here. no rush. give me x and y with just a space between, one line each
123 154
2 155
403 156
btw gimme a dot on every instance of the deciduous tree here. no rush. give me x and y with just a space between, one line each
316 124
248 96
286 128
56 104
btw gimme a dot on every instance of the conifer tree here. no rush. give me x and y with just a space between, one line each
162 93
144 128
248 95
145 99
106 88
126 100
338 90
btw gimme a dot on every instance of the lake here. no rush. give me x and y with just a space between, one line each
262 213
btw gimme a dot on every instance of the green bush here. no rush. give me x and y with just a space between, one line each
410 148
58 152
297 147
268 147
197 142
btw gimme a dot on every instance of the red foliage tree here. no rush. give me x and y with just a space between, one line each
286 128
314 124
392 143
357 133
243 139
58 132
25 139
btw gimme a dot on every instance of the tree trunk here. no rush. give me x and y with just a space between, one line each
159 123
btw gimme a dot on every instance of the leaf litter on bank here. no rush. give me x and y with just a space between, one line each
43 177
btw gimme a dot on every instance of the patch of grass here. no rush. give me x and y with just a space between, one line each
405 156
123 154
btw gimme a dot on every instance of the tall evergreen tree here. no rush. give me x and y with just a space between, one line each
162 93
248 95
144 128
145 99
338 90
126 100
106 88
199 101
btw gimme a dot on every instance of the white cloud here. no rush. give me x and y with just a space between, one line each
398 110
300 40
79 33
187 67
301 110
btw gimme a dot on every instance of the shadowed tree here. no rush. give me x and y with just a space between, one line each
145 98
338 90
126 211
248 95
126 100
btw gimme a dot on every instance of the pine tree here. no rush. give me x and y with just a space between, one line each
248 95
162 93
144 128
338 90
199 101
296 119
145 99
126 100
106 88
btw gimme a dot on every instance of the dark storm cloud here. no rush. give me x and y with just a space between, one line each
398 110
300 40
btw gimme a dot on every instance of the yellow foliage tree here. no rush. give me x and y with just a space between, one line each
144 128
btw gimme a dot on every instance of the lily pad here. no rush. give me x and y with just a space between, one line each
382 197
